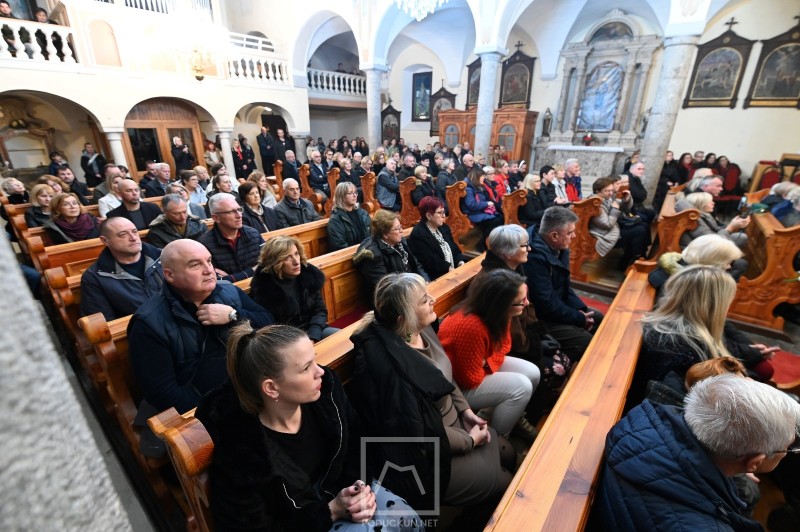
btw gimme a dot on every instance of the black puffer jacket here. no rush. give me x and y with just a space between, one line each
255 485
375 258
280 297
240 264
342 233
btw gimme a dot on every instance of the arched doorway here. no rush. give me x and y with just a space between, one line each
150 127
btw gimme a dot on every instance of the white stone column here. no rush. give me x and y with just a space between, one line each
675 64
300 146
114 137
486 98
571 115
373 73
644 72
225 148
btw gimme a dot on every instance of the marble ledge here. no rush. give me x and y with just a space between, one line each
601 149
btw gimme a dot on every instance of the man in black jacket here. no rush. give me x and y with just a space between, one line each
93 164
293 210
234 246
65 174
266 147
639 193
141 213
467 162
290 167
318 177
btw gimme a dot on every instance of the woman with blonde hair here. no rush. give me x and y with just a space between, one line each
69 221
531 213
708 225
110 201
348 225
39 212
290 288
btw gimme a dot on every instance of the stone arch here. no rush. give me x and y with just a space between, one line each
249 115
319 27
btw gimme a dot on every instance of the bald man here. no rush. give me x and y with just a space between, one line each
127 272
178 337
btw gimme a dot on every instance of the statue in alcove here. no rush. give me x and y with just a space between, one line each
547 122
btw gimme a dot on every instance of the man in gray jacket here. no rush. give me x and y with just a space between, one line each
293 210
387 191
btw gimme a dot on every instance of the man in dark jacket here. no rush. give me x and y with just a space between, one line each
670 470
291 167
293 210
65 174
266 148
409 164
127 272
175 223
141 213
158 186
93 164
568 318
639 193
467 162
178 337
318 176
234 246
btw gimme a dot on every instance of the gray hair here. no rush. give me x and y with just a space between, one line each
794 197
707 181
288 182
216 199
570 162
163 166
555 218
733 417
445 162
504 241
167 199
340 193
396 301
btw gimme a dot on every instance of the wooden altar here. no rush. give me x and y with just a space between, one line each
512 128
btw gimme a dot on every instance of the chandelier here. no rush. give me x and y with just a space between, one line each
419 9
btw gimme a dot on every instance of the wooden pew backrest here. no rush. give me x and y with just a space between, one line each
457 221
671 227
583 247
370 203
511 205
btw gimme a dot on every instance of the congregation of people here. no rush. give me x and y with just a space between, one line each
286 435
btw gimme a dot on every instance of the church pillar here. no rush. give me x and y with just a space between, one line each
486 98
623 96
675 64
225 148
115 144
563 103
573 107
644 72
374 73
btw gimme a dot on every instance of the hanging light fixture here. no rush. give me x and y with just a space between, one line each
419 9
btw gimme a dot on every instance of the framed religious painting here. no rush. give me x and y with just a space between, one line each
442 100
517 77
390 124
473 82
421 96
718 71
776 82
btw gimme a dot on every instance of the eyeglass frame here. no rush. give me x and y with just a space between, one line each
240 210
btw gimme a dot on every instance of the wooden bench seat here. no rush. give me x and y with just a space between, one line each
554 487
191 448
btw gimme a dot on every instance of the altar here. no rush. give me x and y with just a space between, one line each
596 161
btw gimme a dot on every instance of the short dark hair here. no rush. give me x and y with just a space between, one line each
602 183
555 218
546 169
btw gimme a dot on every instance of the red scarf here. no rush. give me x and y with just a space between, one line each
79 229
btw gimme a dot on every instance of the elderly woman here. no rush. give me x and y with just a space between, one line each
69 222
385 251
255 214
290 288
55 183
632 236
348 225
192 181
14 190
707 224
531 213
286 443
431 240
110 201
39 212
424 186
445 179
203 177
404 386
477 338
480 204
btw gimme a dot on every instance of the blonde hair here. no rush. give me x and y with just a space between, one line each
340 193
275 250
527 183
255 176
396 299
693 309
699 200
711 250
58 199
37 189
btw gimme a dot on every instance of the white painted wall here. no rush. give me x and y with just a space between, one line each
333 124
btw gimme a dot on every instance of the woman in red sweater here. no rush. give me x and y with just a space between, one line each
477 337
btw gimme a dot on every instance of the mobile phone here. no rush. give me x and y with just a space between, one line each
744 210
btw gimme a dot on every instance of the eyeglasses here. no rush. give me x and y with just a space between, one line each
353 193
239 210
790 450
70 204
440 213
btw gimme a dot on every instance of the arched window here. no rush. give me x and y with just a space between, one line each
451 135
507 136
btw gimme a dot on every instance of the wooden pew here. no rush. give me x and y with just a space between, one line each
308 193
772 249
409 214
190 447
512 204
583 248
277 170
668 207
554 487
333 180
457 221
370 203
670 228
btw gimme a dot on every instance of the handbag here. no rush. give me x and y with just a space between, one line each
627 220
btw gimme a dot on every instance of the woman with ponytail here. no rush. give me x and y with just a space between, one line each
286 443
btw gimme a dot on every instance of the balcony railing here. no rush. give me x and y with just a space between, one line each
252 42
249 67
337 83
33 41
198 7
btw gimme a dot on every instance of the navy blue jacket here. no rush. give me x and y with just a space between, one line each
175 359
107 288
318 178
342 233
547 273
657 476
237 264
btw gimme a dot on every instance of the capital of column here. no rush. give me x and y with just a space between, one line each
379 67
490 57
113 135
224 133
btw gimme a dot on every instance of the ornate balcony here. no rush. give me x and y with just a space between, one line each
336 88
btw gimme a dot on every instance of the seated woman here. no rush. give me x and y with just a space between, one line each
255 215
286 442
194 209
348 225
193 182
501 179
431 240
480 205
424 185
110 201
385 251
404 386
632 236
477 338
531 213
69 222
39 212
15 192
290 288
268 198
708 225
348 175
55 183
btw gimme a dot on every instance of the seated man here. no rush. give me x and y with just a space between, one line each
175 223
235 247
667 469
568 319
65 174
387 189
318 176
127 272
177 338
158 186
293 210
291 167
141 213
